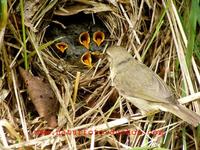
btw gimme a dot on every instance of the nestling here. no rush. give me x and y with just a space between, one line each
144 88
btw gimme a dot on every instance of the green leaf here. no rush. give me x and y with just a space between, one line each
192 23
3 13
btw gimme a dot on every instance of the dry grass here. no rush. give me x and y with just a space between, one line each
153 31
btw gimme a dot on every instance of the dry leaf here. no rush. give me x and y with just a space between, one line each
30 8
3 94
42 97
83 6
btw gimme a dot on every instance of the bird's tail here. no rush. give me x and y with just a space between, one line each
185 114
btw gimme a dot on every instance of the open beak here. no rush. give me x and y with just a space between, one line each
98 37
84 39
86 59
62 46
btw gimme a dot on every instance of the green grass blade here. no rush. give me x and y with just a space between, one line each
24 34
3 14
3 20
192 23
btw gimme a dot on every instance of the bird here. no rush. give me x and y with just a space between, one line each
98 37
144 88
84 39
86 59
61 46
76 46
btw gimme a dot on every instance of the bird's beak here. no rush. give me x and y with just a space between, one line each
98 37
62 46
86 59
84 39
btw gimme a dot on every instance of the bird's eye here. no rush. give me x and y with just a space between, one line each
62 46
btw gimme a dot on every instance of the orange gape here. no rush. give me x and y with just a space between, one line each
61 46
84 39
86 59
98 37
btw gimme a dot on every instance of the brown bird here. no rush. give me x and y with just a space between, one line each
144 88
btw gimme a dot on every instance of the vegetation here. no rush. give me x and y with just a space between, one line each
162 34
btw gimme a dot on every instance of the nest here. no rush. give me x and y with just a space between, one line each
55 49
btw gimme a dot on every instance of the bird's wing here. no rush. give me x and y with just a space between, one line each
139 81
